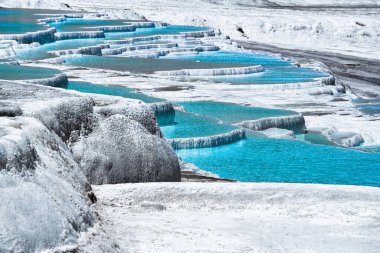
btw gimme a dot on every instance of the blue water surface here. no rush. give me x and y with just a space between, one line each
275 75
192 125
82 24
289 161
18 21
17 72
230 113
140 65
248 58
277 70
120 91
170 29
42 52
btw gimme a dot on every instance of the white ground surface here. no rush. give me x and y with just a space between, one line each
241 217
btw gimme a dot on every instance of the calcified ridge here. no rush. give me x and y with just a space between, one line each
208 141
164 112
294 122
59 80
41 37
120 50
91 50
79 35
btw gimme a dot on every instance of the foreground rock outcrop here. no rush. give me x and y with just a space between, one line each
42 190
53 143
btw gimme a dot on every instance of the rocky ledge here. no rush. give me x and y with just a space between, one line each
55 143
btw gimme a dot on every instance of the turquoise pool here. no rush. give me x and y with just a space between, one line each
230 113
206 118
236 57
276 75
17 72
140 65
191 125
277 70
41 52
120 91
274 160
79 24
171 29
18 21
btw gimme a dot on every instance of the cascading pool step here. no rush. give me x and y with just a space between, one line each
35 75
208 141
291 122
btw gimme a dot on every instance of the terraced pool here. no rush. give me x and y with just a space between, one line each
140 65
230 113
42 52
191 125
277 70
17 72
236 57
83 24
171 29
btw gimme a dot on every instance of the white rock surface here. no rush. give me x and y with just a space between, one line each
42 189
241 217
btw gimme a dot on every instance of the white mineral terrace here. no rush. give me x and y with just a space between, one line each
208 141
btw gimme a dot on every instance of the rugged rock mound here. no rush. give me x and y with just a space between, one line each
141 113
121 150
